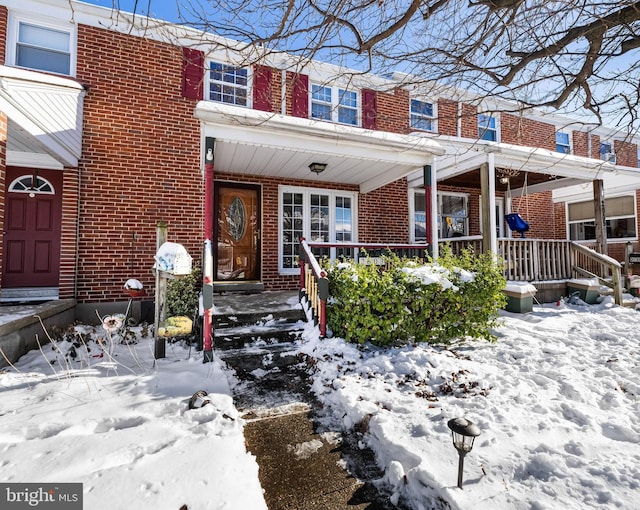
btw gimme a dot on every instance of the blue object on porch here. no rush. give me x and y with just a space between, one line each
516 223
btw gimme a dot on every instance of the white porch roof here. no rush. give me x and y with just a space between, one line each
545 169
44 118
258 143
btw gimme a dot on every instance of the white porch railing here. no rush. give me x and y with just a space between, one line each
549 259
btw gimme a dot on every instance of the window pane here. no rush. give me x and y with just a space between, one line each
291 228
343 219
619 206
562 142
487 128
319 93
347 116
454 206
44 60
348 98
320 111
581 211
43 37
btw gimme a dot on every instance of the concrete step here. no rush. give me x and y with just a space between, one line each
239 337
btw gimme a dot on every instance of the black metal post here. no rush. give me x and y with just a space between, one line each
460 467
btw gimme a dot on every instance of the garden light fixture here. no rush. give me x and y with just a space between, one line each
463 433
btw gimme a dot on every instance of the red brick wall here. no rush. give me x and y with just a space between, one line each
626 153
69 237
141 160
595 146
447 117
3 173
521 131
393 111
538 209
3 32
560 219
581 143
383 214
469 120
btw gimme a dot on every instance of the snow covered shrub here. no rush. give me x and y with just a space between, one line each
406 301
183 294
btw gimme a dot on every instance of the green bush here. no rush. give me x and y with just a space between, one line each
183 294
406 301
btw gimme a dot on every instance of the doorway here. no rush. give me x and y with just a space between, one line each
237 229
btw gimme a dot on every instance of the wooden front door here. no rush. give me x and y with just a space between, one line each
32 228
237 230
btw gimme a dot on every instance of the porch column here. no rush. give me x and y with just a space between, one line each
488 191
600 216
430 208
207 255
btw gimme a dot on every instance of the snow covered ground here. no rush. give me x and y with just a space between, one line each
557 399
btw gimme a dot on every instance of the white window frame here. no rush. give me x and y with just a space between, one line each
13 29
495 130
607 155
569 142
44 186
306 219
421 117
249 86
335 105
608 218
440 194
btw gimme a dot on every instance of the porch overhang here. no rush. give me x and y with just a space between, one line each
44 115
536 169
251 142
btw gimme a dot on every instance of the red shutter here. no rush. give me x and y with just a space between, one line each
300 96
262 80
369 109
192 73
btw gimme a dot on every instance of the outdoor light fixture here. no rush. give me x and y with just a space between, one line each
504 180
463 433
317 168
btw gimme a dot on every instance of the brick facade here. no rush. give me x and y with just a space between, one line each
141 161
141 164
626 153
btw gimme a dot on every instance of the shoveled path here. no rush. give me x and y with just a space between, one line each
303 465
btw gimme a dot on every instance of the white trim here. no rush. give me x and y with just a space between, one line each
33 159
306 220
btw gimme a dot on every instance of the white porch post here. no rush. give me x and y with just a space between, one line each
488 191
434 210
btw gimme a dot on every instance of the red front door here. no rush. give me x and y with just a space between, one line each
32 220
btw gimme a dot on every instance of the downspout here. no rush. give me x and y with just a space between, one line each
207 269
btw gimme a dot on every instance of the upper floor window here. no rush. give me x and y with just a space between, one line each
606 152
422 115
229 84
563 144
487 127
638 157
334 104
43 48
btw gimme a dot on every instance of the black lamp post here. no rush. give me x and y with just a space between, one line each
463 433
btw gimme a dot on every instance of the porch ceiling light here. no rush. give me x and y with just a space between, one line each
317 168
463 433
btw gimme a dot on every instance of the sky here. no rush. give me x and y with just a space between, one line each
556 399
